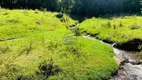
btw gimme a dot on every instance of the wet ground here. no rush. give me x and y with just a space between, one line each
130 63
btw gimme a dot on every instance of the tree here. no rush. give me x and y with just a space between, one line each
52 5
131 6
80 7
66 5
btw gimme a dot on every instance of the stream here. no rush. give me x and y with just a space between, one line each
130 67
130 63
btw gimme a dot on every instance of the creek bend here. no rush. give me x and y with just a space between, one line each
130 67
130 63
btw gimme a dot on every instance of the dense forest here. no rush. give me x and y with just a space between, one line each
81 7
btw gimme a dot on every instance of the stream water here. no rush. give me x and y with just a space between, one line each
130 67
130 63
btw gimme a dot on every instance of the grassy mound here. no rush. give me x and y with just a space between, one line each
32 47
118 29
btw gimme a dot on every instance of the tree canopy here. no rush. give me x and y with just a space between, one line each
81 7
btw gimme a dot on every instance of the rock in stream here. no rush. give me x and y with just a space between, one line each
130 69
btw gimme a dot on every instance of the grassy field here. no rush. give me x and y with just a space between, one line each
116 29
32 47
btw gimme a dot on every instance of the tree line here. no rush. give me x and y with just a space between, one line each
81 7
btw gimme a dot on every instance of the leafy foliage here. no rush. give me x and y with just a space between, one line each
81 7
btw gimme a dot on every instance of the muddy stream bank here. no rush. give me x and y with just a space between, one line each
130 63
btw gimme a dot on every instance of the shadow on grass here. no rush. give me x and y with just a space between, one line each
111 16
79 18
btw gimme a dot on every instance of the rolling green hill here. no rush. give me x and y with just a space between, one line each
32 47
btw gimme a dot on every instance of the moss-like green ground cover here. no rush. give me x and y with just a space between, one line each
117 29
32 48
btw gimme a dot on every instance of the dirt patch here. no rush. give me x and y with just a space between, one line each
108 41
132 45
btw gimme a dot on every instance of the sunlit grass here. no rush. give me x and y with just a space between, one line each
24 22
39 43
117 29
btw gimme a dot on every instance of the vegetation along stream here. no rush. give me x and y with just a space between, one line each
130 62
130 67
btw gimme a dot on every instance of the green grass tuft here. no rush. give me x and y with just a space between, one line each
32 48
117 29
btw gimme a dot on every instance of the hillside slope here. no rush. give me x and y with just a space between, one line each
33 47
